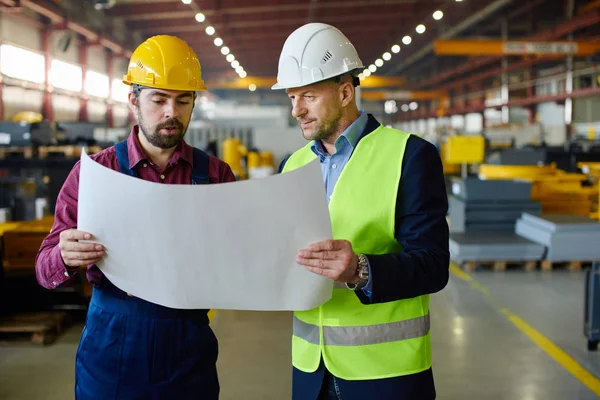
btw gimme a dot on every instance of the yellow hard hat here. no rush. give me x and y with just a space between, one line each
165 62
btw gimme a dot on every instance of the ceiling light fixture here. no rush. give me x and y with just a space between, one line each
438 15
210 30
395 49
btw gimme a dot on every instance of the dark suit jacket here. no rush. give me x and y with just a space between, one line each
421 268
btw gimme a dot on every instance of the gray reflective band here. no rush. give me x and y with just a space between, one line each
363 335
308 332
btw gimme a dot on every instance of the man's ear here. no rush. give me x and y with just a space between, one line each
347 93
132 101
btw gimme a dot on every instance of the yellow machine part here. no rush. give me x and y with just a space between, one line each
558 192
526 172
464 149
449 168
233 151
266 159
29 117
253 160
8 226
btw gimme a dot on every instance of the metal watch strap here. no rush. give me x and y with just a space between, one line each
363 274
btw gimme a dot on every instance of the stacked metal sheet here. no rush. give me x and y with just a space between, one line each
567 237
489 206
493 246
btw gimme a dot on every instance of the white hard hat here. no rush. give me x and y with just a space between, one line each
313 53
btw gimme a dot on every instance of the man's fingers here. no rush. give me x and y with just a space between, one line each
325 245
74 234
328 273
84 247
81 262
325 255
313 262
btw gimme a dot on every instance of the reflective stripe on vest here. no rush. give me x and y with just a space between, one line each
357 341
363 335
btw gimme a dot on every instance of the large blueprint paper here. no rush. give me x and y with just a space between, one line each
225 246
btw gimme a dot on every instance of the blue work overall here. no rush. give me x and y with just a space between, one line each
133 349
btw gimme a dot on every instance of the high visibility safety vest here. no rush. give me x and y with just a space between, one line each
356 341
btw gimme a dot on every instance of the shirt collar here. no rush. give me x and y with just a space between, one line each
136 154
349 137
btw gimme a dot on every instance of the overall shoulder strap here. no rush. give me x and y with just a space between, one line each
200 168
123 158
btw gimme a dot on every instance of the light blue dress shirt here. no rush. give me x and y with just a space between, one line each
333 164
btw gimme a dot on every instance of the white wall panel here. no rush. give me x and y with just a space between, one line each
66 108
18 99
15 31
97 59
120 115
96 111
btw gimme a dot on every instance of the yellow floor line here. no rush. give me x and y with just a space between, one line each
459 273
559 355
211 315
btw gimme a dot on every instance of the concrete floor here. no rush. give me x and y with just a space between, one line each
478 352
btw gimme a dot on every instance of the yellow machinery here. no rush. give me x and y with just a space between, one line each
29 117
233 153
592 170
256 164
462 150
559 192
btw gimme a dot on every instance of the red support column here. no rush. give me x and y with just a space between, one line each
109 101
83 104
47 109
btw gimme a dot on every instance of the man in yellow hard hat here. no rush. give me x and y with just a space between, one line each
387 201
130 348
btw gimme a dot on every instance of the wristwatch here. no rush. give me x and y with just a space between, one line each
363 274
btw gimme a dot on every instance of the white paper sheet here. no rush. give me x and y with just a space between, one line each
224 246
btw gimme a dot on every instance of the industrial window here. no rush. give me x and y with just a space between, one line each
96 84
120 91
64 75
22 64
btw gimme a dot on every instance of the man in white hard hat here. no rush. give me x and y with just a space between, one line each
387 201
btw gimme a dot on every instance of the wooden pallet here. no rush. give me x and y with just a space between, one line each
548 265
36 328
499 265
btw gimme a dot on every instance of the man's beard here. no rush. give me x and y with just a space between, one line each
163 141
325 129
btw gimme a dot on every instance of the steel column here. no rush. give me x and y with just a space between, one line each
109 101
83 102
47 109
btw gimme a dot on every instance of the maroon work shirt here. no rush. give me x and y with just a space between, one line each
50 268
